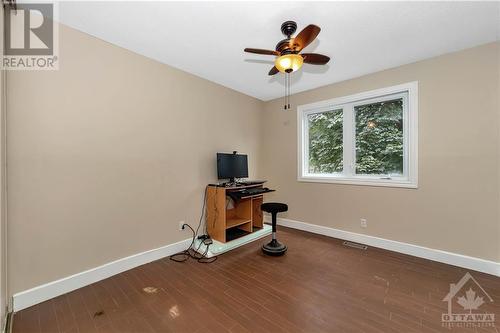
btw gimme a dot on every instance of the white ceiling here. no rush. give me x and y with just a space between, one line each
207 38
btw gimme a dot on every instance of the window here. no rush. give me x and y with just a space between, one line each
363 139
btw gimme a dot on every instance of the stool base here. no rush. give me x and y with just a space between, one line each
274 248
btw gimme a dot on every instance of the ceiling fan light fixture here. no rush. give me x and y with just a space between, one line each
289 63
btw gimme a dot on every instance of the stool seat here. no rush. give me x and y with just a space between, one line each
274 207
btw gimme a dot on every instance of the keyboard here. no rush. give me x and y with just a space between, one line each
247 192
254 191
252 182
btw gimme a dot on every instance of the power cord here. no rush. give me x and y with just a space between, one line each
191 252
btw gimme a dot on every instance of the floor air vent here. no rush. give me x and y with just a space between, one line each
355 245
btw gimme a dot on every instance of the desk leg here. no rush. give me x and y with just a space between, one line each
257 217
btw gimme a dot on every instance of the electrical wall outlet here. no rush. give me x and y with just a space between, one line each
181 224
363 223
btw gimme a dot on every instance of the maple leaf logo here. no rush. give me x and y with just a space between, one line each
470 301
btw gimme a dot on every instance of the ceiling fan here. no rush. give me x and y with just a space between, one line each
289 59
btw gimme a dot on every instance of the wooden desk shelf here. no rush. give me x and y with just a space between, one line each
236 221
245 215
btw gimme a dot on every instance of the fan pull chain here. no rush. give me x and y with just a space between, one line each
287 87
288 90
287 82
284 96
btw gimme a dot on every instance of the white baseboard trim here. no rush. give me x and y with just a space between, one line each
477 264
53 289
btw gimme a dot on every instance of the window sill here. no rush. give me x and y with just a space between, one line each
361 182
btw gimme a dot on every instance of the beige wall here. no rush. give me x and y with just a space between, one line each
455 207
3 226
498 107
108 154
498 151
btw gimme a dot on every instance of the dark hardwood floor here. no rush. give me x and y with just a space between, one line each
318 286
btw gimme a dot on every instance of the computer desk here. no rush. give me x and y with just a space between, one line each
224 222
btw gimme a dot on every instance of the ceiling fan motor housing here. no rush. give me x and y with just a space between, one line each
283 46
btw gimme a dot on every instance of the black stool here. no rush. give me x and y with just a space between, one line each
274 248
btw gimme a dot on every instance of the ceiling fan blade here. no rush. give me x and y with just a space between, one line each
305 37
315 58
261 51
273 71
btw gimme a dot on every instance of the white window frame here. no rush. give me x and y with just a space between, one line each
407 91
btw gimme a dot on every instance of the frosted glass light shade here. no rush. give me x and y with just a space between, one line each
289 63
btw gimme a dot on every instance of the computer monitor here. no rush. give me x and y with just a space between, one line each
231 166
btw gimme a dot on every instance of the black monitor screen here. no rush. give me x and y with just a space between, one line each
232 166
